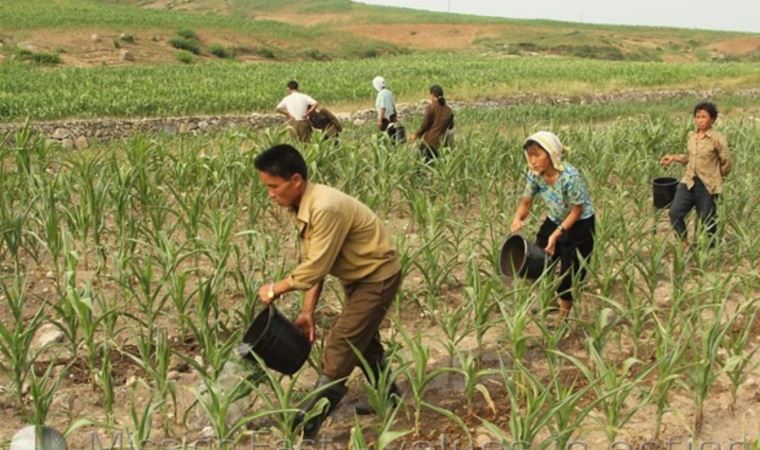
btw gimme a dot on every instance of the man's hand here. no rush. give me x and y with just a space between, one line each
380 125
267 293
305 323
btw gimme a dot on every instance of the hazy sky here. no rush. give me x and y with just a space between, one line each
736 15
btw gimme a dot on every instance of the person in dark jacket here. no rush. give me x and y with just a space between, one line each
438 120
323 119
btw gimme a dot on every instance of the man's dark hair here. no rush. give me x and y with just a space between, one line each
707 107
282 161
293 85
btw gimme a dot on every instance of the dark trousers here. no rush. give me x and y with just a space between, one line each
574 244
429 154
686 199
359 323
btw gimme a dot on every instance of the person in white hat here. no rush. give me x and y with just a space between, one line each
567 233
387 116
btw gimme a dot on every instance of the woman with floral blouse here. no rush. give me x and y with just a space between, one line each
567 233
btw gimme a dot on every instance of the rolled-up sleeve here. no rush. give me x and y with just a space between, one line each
328 231
724 155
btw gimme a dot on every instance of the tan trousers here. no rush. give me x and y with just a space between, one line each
300 129
359 324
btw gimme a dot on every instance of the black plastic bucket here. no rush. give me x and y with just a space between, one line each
663 191
277 341
522 258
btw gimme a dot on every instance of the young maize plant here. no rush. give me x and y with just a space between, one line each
617 383
385 435
532 408
670 351
468 369
420 375
739 364
154 360
380 397
42 391
710 333
480 292
16 336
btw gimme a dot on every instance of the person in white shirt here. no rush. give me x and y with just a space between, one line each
387 118
297 107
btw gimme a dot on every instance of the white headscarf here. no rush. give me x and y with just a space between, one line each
553 146
379 83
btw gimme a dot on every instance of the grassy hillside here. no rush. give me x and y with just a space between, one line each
329 29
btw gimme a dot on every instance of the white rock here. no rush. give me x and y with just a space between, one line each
61 133
81 143
95 38
126 55
173 375
67 144
131 381
48 334
202 124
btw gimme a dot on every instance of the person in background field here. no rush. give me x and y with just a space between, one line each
438 120
567 233
323 119
387 117
708 161
297 108
342 237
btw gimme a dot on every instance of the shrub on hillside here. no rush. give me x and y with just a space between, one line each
188 34
38 57
317 55
183 43
184 57
220 51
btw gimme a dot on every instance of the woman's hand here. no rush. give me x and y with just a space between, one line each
516 226
305 323
551 244
666 160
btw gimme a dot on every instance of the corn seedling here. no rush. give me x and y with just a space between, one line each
705 348
378 389
17 334
616 386
420 376
473 377
740 351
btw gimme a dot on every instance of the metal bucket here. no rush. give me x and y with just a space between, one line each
276 341
522 258
663 191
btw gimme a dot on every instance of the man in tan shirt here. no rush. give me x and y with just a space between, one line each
342 237
708 161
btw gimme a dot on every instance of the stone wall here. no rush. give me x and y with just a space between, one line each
82 133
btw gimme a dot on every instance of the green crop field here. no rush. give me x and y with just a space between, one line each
148 254
143 256
43 93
